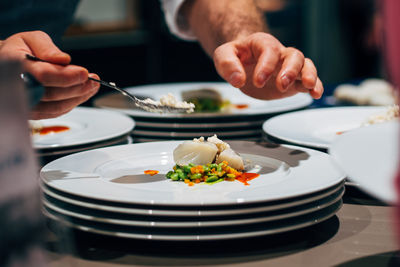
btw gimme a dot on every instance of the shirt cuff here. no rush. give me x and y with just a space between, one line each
177 24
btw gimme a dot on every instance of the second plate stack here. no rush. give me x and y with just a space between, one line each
81 129
242 122
104 191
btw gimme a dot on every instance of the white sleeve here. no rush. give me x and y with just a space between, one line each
175 21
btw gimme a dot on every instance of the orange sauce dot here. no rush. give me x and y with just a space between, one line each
241 106
150 172
53 129
247 176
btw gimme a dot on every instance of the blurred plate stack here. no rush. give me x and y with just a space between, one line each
242 121
105 191
81 129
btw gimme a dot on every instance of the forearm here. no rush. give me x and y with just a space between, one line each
215 22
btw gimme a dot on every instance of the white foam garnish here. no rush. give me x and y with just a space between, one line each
221 145
169 100
218 142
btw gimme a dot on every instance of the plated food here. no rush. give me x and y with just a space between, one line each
208 161
169 100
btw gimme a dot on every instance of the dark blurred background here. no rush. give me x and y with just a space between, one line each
127 41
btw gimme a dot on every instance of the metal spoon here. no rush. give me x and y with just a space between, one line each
147 104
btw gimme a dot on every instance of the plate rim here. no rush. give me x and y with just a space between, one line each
312 221
338 175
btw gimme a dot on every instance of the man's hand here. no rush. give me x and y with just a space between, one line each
66 86
265 69
234 33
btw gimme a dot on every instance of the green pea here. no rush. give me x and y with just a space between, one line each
168 175
213 166
186 168
175 177
196 176
181 176
211 179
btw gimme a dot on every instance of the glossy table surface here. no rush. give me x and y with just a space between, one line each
361 234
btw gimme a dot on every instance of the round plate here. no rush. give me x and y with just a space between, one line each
182 234
87 125
318 128
199 132
196 126
169 211
66 151
142 139
116 174
193 222
370 157
234 95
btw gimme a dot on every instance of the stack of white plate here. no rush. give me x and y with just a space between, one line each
105 191
86 128
244 123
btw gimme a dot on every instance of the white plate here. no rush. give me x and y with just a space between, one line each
157 211
370 157
66 151
173 222
199 132
318 128
221 233
142 139
87 125
198 126
234 95
116 174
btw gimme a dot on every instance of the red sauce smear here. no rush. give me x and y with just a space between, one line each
339 133
241 106
150 172
247 176
53 129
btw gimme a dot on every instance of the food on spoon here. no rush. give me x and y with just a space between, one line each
206 100
170 101
208 161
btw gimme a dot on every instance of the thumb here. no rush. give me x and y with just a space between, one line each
43 47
